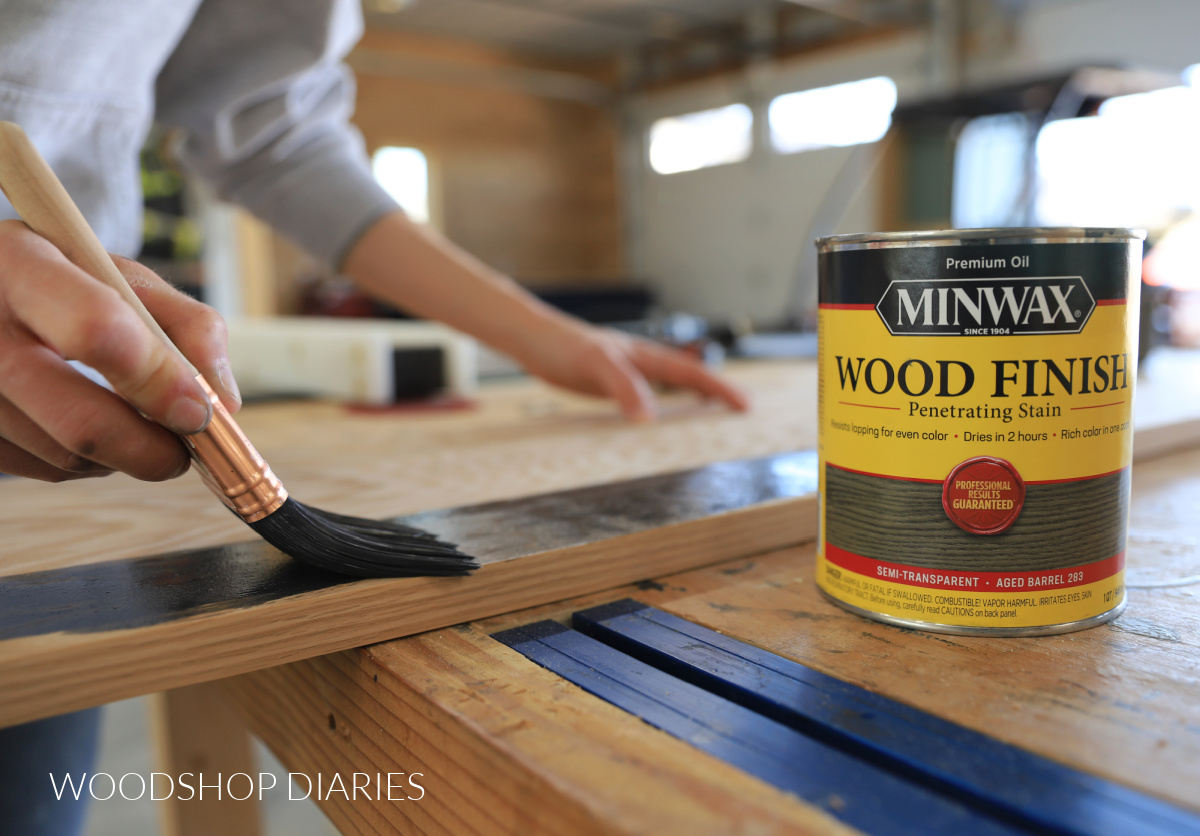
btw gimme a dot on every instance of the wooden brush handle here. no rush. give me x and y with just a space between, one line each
40 199
230 465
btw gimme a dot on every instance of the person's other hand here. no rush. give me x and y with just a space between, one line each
606 363
56 424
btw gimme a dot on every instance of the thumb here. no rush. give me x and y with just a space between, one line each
197 330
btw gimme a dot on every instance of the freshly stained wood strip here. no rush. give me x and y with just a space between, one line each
1062 525
1009 782
523 439
855 791
145 591
177 619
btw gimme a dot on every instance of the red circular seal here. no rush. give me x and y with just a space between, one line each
983 495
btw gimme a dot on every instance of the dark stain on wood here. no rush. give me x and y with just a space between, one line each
866 635
719 607
142 591
801 615
514 528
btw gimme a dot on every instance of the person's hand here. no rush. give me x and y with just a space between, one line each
55 423
415 268
606 363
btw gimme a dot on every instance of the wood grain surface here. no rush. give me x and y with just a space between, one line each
1120 700
523 438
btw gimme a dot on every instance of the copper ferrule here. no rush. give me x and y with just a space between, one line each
231 467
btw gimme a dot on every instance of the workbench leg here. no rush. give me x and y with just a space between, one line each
197 731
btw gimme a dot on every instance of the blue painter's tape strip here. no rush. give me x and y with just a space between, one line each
855 791
1009 783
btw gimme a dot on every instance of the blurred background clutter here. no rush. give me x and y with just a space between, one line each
663 165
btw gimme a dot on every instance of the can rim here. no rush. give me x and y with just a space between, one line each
960 237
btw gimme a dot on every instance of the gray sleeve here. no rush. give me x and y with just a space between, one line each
264 102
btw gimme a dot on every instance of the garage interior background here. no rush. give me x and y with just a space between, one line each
534 121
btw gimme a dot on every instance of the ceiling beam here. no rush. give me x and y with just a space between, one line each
548 84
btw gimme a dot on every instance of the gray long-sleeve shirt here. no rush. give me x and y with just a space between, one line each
258 88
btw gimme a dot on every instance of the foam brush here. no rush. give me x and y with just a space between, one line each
224 456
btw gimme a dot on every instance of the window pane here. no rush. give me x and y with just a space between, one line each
991 162
404 174
844 114
1134 164
702 139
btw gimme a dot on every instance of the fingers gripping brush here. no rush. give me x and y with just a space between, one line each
225 458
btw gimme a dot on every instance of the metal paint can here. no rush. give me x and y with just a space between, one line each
976 405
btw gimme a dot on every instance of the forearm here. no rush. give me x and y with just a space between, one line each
420 271
425 274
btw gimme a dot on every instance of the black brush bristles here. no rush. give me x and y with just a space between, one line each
359 547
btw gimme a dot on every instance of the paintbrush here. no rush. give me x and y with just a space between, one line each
225 458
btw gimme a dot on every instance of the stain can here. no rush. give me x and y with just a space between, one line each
976 405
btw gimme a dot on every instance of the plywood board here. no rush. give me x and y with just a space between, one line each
523 438
122 628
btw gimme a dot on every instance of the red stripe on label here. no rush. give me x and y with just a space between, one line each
985 582
868 405
1099 405
1110 302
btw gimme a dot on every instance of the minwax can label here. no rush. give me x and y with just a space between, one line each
975 427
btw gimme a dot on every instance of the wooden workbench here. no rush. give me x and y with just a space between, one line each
489 728
482 722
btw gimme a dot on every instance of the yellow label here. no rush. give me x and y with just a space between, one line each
900 413
896 406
